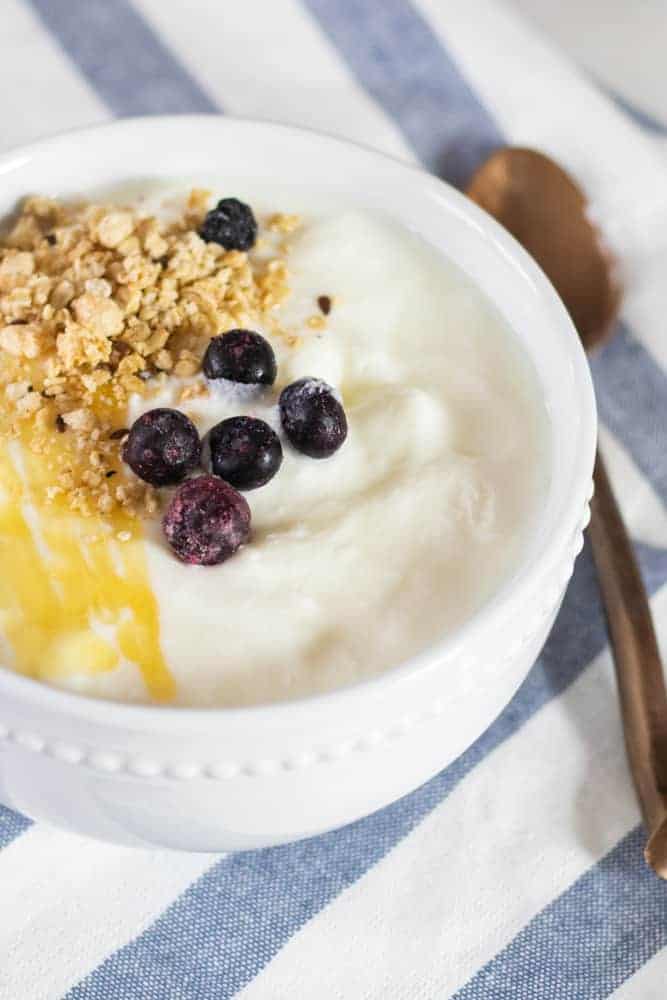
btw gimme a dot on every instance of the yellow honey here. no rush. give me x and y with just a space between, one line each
73 599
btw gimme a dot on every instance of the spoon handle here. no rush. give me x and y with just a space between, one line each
639 673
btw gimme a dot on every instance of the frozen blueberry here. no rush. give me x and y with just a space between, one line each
206 521
231 224
244 451
312 417
241 356
162 447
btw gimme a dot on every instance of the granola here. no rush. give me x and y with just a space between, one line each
97 303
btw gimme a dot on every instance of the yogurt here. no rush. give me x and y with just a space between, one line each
358 562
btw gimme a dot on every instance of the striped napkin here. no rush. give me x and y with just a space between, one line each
517 872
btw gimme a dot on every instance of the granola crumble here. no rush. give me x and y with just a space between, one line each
283 223
316 322
98 302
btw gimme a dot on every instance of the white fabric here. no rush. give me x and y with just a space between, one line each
606 37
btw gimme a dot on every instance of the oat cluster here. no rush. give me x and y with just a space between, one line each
97 303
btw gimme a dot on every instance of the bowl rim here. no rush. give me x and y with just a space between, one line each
132 715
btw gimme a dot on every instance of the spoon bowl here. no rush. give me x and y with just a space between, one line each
546 211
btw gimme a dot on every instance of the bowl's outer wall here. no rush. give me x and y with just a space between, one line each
219 780
253 810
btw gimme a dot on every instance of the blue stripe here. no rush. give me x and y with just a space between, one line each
632 400
589 940
128 65
639 116
228 925
11 825
391 50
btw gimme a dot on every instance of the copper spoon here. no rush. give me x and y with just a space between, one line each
546 211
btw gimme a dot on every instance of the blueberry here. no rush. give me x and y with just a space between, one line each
206 521
162 447
244 451
231 224
241 356
312 417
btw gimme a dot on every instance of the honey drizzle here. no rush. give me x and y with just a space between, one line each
50 605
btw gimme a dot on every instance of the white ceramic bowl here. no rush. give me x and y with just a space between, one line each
217 779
